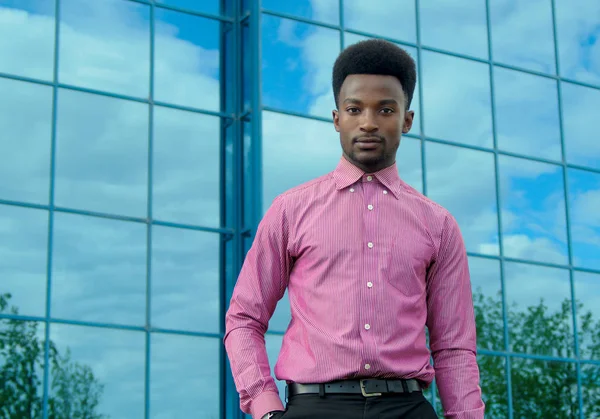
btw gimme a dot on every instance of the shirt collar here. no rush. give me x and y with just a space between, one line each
347 174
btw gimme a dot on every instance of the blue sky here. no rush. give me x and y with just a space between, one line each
102 153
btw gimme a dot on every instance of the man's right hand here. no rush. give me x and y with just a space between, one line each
274 415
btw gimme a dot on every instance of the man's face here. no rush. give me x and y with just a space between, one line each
371 118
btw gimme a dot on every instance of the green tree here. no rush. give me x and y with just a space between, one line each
541 389
74 391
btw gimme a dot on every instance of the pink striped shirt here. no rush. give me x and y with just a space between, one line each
368 263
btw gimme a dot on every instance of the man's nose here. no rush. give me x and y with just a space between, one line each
368 123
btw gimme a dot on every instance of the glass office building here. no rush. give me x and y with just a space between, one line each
142 140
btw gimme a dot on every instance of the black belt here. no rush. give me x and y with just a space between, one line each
368 387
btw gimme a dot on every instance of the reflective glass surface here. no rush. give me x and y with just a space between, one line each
186 168
273 344
580 112
350 38
544 389
25 136
463 182
297 60
487 298
185 375
539 310
533 210
590 377
295 150
99 270
456 99
584 207
105 45
587 297
394 19
579 49
100 372
527 117
408 160
205 6
27 29
185 279
456 26
23 259
492 373
327 11
522 34
186 60
21 365
101 154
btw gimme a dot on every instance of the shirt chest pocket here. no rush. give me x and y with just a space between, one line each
405 267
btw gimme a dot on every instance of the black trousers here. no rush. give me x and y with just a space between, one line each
355 406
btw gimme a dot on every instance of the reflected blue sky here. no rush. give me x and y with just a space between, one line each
99 269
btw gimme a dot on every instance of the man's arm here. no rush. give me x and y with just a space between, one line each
452 332
260 285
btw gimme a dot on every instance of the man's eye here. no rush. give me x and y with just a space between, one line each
387 110
352 110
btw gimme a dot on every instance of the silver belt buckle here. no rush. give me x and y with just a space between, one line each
364 391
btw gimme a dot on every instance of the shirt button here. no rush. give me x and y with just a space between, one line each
367 366
369 178
385 192
367 326
351 189
370 284
370 207
370 245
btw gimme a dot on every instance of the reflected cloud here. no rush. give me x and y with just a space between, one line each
23 257
206 6
463 181
584 204
396 20
455 26
25 124
326 11
99 270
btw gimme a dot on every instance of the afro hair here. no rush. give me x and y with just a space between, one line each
376 56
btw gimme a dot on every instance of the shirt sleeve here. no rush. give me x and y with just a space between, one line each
452 331
261 284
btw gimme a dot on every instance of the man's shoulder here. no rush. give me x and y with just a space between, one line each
423 203
316 185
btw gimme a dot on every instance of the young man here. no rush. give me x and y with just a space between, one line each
368 263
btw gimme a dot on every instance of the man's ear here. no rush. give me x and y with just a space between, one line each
336 119
409 117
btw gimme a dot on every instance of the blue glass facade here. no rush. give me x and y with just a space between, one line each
142 140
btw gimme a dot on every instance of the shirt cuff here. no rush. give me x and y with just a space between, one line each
265 403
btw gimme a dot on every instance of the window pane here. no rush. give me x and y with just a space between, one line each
350 38
544 389
579 49
23 258
186 162
580 112
383 18
463 182
283 166
456 99
185 377
22 366
101 154
533 210
27 28
584 207
527 114
297 64
185 287
587 296
282 316
205 6
591 398
327 11
105 45
99 270
25 124
512 23
457 26
101 370
408 160
539 310
487 298
492 372
187 60
273 344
